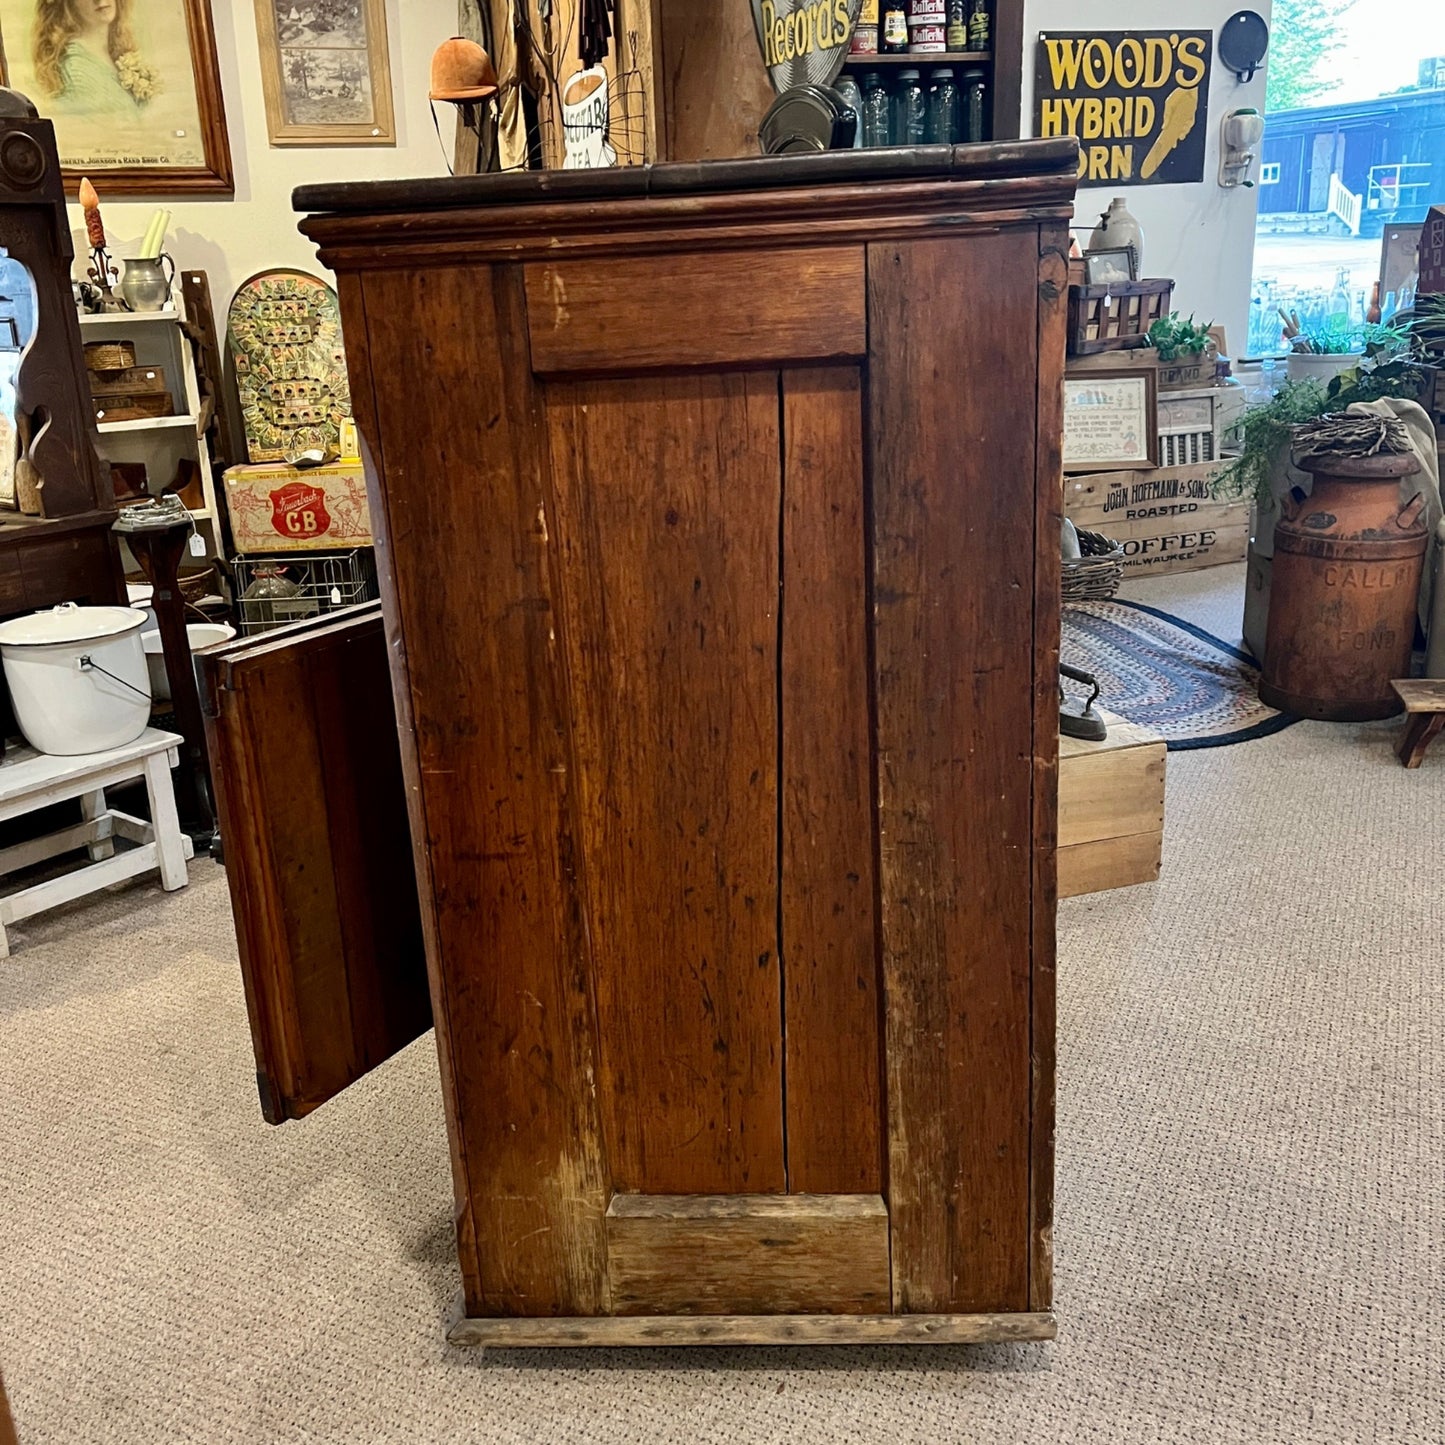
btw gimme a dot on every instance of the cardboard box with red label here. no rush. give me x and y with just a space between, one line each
281 509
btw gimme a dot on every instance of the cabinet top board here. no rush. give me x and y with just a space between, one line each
1013 159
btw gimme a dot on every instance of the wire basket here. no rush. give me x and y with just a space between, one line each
1094 577
327 582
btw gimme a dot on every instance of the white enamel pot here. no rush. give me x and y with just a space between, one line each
78 678
201 634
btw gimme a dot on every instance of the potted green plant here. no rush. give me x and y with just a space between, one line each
1183 348
1339 345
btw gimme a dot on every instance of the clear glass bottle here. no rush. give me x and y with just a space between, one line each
847 87
877 115
975 109
957 37
945 110
273 600
910 113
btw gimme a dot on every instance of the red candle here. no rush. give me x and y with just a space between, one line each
94 226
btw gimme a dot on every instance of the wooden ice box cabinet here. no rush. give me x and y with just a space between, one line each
717 512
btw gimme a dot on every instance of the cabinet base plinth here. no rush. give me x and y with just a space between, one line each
628 1331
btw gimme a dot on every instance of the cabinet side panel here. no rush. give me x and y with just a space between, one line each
1053 296
668 494
953 393
830 961
463 483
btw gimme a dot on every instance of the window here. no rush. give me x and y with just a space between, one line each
1269 174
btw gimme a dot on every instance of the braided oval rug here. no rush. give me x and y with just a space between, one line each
1164 673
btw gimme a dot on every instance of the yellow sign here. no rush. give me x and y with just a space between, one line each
1138 102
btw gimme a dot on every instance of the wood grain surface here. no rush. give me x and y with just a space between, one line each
748 1254
1048 430
1109 863
635 1331
480 656
710 106
7 1423
318 854
953 470
830 953
640 313
666 525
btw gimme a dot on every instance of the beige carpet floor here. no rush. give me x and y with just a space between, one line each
1251 1220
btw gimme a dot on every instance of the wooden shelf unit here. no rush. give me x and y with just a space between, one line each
1002 64
922 62
162 442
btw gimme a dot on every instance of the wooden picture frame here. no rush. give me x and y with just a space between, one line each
1113 267
179 133
351 73
1123 433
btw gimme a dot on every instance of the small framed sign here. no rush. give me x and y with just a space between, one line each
1111 421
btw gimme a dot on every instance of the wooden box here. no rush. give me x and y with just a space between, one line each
132 408
714 707
1168 519
280 509
1111 809
129 381
1116 317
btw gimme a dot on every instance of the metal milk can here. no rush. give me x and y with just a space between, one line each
1347 566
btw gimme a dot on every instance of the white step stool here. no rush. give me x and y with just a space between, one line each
31 780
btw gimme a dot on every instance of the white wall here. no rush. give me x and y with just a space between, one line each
233 239
1200 235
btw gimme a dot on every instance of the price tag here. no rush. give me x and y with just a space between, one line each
198 545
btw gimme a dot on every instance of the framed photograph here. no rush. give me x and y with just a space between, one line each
1111 421
1109 268
132 86
326 72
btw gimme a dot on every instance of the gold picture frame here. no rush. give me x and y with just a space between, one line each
326 72
136 106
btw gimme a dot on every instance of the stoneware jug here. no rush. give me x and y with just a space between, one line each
1118 227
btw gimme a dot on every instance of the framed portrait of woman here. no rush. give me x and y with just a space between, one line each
132 86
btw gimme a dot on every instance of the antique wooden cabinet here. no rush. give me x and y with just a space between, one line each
718 518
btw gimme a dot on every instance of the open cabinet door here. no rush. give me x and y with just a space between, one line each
308 782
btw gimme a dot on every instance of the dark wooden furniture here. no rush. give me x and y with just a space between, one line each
717 509
1424 700
308 786
67 553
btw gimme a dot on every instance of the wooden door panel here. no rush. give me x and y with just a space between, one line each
667 523
741 1254
318 854
685 311
954 559
473 569
830 949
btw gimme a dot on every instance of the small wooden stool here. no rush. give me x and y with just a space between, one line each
1424 700
31 780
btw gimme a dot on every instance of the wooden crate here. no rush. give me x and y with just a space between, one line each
1168 519
1111 809
1116 317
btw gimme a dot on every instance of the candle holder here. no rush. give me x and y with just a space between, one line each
104 275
